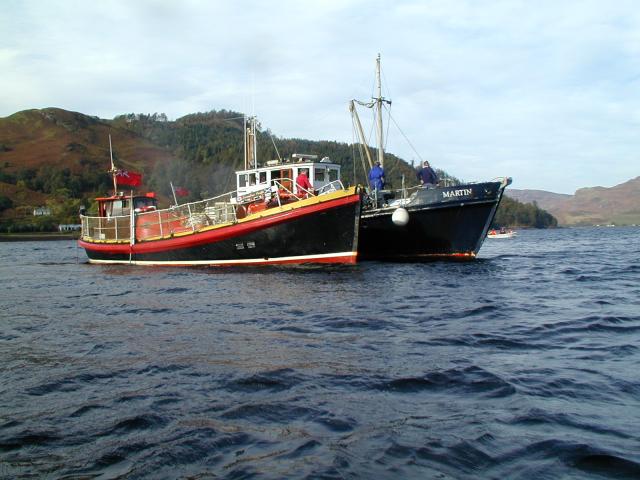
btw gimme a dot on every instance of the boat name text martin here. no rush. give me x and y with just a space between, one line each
457 193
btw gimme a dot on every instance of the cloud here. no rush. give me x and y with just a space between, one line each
546 93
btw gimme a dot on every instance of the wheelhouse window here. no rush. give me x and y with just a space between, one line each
144 202
242 181
117 208
334 174
320 174
263 177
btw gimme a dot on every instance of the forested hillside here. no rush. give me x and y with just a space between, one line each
60 159
513 213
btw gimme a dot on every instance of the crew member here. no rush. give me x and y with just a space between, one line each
303 185
427 176
376 177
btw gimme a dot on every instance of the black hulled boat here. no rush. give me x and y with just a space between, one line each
423 222
430 223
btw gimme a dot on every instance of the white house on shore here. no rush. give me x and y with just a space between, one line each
41 211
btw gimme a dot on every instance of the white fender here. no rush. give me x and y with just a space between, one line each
400 217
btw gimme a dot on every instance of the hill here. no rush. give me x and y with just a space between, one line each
619 205
50 150
61 158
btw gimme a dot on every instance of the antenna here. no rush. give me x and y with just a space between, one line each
379 112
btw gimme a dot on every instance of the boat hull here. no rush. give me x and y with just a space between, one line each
443 223
501 235
321 232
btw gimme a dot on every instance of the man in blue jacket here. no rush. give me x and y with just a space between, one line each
376 177
427 176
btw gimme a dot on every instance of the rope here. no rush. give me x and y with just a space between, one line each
405 137
274 146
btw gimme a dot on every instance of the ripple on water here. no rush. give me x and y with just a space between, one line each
520 365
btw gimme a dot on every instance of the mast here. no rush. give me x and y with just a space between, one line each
250 144
245 141
113 169
254 148
377 104
379 100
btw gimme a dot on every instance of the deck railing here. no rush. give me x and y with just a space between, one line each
185 218
189 217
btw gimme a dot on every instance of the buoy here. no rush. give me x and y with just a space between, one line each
400 217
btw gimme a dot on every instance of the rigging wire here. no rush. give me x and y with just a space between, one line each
274 146
360 149
353 151
405 137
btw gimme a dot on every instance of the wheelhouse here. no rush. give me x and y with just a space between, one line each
120 204
276 175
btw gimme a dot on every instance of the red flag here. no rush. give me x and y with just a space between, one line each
124 177
181 192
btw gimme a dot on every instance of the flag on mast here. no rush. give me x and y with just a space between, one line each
121 176
127 177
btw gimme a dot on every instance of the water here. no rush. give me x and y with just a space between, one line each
523 364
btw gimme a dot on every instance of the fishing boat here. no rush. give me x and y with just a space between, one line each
266 220
501 233
422 222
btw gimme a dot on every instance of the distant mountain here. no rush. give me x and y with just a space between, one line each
619 205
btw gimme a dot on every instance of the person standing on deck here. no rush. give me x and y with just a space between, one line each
303 185
427 176
376 177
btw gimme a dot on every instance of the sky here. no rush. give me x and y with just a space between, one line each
545 92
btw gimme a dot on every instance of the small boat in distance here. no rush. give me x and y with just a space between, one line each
424 222
267 220
501 233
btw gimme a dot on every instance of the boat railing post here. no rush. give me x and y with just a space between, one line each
116 224
404 191
160 223
132 227
277 185
191 219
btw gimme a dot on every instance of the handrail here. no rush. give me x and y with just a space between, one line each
177 219
185 218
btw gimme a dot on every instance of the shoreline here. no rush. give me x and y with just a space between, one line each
31 237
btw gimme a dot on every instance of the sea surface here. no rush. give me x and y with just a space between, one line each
524 364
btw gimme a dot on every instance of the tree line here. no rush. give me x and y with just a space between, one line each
513 213
208 149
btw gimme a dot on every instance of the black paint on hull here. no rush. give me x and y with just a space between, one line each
316 237
449 222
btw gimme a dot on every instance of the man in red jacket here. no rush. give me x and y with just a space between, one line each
303 185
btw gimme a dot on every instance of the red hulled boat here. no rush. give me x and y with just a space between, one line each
267 220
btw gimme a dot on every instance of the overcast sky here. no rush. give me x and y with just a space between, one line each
547 92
